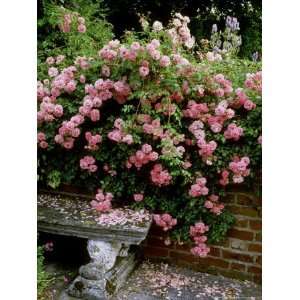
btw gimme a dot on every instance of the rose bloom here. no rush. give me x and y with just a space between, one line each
93 168
52 72
138 197
82 78
81 28
50 60
157 26
164 61
43 144
144 71
95 115
208 204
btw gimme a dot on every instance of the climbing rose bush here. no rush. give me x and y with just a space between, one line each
152 123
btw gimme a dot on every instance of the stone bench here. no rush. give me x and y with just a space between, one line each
111 239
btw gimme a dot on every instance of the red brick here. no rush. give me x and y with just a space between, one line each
214 251
185 247
255 248
239 267
254 270
244 199
255 224
258 237
154 241
224 243
237 256
248 211
259 211
234 209
153 252
211 261
238 188
229 198
240 234
243 211
241 223
183 256
258 260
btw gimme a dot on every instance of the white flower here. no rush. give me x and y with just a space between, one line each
179 16
176 23
210 56
186 19
157 26
190 42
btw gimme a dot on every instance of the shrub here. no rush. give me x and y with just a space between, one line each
72 43
153 123
43 278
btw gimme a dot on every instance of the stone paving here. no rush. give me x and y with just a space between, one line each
154 281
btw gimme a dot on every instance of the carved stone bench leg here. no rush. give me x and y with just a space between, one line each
110 265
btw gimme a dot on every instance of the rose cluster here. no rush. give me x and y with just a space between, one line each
222 113
199 188
239 168
159 176
52 60
243 100
206 150
93 141
154 128
65 26
142 157
88 163
96 95
49 110
233 132
197 234
102 201
69 131
195 110
224 178
180 33
63 81
41 139
165 221
82 62
213 205
118 135
254 81
223 86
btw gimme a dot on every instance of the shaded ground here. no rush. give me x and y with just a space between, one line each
154 281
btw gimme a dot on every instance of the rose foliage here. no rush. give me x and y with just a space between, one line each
152 123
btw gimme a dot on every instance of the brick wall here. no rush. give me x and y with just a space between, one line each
239 256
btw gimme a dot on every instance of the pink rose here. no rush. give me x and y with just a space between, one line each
81 28
144 71
138 197
95 115
52 72
164 61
